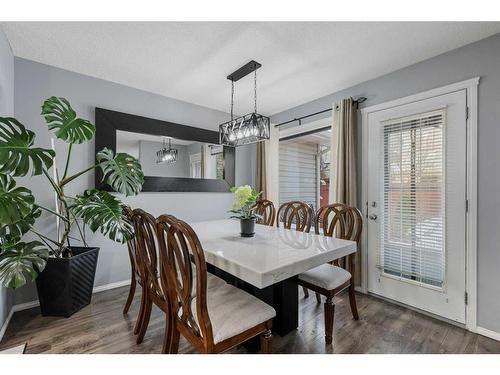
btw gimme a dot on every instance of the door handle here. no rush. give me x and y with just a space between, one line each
372 217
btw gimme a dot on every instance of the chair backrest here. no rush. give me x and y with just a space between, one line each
267 212
147 248
296 212
340 221
132 247
184 271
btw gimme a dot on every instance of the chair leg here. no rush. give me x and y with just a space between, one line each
145 320
318 297
266 342
329 318
140 316
306 292
352 301
130 297
167 336
174 341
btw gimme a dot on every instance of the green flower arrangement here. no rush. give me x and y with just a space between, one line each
245 202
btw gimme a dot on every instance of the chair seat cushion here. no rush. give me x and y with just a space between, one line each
213 281
326 276
233 311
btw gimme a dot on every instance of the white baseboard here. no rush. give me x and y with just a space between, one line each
118 284
488 333
25 306
6 323
97 289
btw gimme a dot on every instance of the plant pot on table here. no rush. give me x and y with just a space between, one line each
247 227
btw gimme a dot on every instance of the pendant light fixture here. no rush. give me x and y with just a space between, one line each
249 128
166 155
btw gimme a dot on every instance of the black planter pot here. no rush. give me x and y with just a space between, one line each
65 285
247 227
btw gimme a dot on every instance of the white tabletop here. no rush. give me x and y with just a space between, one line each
272 255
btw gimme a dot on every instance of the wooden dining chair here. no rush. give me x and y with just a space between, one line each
330 279
137 276
298 213
153 291
212 320
147 264
266 211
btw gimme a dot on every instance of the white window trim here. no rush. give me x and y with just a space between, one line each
470 86
194 159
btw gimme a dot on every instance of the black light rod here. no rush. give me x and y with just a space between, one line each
246 69
299 119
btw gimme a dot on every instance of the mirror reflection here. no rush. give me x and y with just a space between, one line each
170 157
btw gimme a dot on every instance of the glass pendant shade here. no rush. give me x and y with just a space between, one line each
166 155
244 130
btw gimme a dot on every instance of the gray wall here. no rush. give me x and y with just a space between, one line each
478 59
35 82
6 110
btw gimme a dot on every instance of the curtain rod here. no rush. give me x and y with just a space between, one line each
299 119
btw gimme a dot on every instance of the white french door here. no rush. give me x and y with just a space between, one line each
416 194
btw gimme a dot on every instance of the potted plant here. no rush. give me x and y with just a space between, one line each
63 264
244 206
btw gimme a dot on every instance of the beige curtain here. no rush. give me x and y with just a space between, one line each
260 178
272 148
345 150
267 169
343 188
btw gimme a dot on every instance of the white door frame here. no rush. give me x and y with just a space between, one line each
470 86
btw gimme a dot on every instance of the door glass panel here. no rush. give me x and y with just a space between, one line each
412 244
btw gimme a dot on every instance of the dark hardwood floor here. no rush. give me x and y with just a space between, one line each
382 328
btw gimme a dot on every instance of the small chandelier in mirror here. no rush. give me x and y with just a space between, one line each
166 155
251 127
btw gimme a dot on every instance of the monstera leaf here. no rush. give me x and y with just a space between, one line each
62 118
122 171
100 210
17 152
22 226
19 260
15 202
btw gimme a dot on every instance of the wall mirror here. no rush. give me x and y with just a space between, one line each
174 157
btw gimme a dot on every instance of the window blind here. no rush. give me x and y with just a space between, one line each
412 241
298 172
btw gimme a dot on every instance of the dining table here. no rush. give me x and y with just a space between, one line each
267 265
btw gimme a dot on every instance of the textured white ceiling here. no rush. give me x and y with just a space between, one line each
189 61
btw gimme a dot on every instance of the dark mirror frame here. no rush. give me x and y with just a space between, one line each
108 122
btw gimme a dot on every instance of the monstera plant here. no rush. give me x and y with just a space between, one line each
21 259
